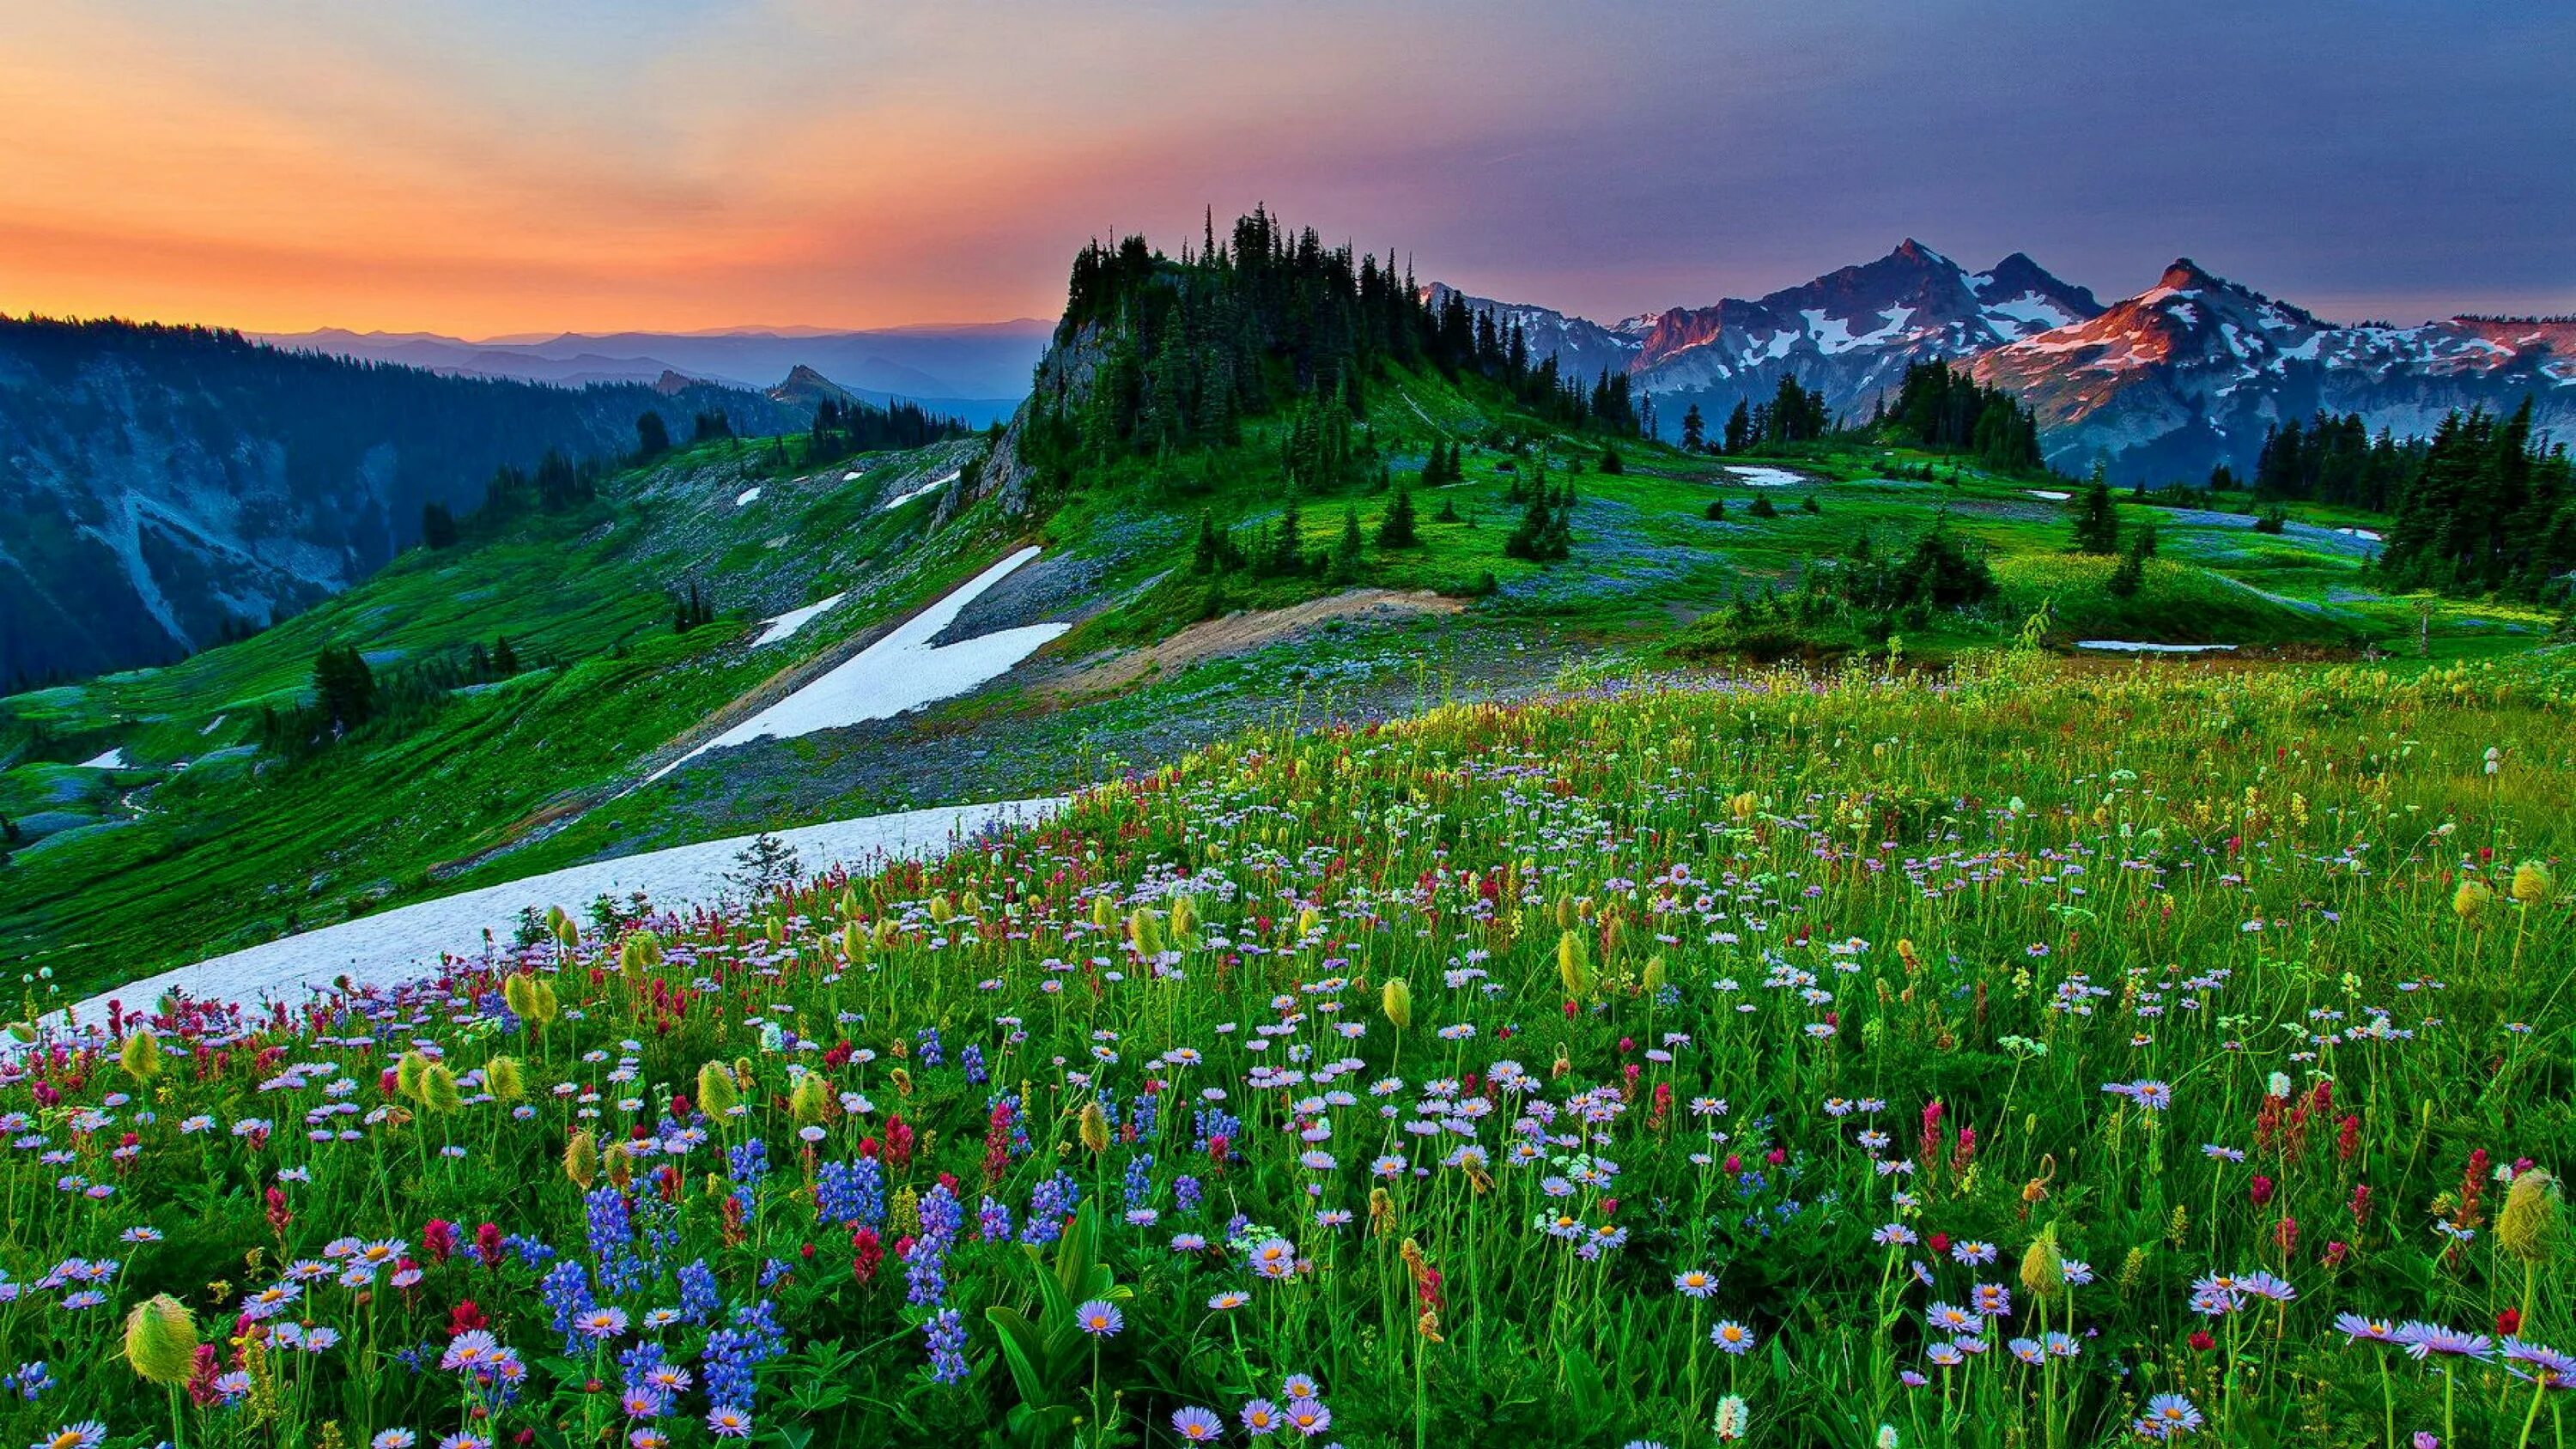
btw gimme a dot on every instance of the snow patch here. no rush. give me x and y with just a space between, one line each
112 760
784 625
1767 477
2130 646
2053 495
408 941
2371 534
853 476
908 495
2034 312
900 672
746 497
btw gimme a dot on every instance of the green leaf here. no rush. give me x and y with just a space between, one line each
1584 1393
1022 1350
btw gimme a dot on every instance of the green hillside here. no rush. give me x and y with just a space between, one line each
1217 466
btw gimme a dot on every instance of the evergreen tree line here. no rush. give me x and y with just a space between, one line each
1938 406
2331 459
2490 509
349 694
858 426
1795 414
1263 319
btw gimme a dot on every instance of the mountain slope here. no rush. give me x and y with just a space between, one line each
2194 371
1265 484
162 488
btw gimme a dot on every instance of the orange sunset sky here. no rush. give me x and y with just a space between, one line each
483 168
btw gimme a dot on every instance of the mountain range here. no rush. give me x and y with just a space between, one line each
2158 387
976 372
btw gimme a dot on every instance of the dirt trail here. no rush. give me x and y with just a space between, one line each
1236 633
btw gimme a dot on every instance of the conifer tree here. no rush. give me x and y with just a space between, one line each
1396 530
2097 518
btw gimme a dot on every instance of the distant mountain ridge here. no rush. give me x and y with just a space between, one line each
975 371
2196 369
2161 386
164 487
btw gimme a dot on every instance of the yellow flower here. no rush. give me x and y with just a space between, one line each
409 1072
1396 999
2043 1268
717 1092
641 952
811 1100
438 1090
1573 966
1145 933
581 1159
2532 883
2469 902
161 1340
141 1055
2528 1226
503 1079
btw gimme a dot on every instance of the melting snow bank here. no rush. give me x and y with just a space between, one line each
908 495
1767 477
902 671
788 623
2127 646
2051 494
409 941
112 760
746 498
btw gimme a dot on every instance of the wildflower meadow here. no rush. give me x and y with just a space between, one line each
2030 1057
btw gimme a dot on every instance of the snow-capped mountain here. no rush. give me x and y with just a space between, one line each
2195 370
2160 387
1851 332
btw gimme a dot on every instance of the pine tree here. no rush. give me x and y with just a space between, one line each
344 688
1287 552
652 436
1396 529
1345 567
437 525
1739 428
1694 430
2097 518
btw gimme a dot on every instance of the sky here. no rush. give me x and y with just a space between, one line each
492 167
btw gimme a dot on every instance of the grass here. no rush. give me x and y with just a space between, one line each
122 875
1685 1065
